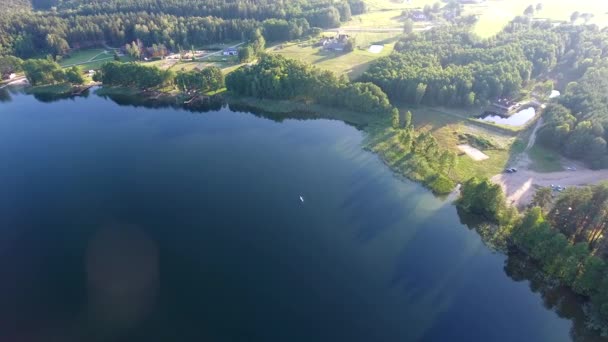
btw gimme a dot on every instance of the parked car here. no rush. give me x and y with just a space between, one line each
511 170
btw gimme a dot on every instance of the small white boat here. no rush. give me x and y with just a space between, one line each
302 199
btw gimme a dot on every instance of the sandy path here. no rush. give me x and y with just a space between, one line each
520 187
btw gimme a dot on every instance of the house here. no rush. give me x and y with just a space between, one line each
504 105
337 43
230 52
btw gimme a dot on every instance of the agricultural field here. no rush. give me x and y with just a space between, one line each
495 14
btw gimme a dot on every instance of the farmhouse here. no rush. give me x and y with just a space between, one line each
337 43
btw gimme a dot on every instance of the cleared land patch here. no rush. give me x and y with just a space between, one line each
472 152
352 63
451 128
495 14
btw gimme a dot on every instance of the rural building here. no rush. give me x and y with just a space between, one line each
337 43
503 106
230 52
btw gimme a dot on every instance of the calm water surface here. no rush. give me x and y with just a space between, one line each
121 223
516 120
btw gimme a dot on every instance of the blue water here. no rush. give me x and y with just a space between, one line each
121 223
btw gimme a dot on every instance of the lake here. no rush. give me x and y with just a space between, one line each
127 223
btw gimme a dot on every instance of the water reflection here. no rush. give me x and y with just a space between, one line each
518 119
519 267
557 298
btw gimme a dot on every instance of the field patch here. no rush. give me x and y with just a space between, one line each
472 152
495 14
352 64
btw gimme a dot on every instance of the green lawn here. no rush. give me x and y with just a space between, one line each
495 14
352 64
544 160
82 56
226 65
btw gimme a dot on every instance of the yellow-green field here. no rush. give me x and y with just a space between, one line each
397 4
495 14
224 63
352 64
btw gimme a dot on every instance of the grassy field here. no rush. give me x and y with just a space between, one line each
82 56
223 62
90 58
495 14
352 64
544 160
447 128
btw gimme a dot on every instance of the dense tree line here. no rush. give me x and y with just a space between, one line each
145 77
32 34
75 23
44 72
451 66
208 79
569 241
276 77
228 9
447 67
132 75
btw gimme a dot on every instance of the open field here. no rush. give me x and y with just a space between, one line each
448 126
224 63
495 14
83 56
352 64
90 58
397 4
544 160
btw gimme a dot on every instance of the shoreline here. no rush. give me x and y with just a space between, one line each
372 126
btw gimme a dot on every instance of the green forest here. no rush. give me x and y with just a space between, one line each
568 241
175 24
449 66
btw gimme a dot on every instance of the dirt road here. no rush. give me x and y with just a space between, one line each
520 186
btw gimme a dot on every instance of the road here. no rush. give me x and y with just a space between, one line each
220 51
520 187
16 80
